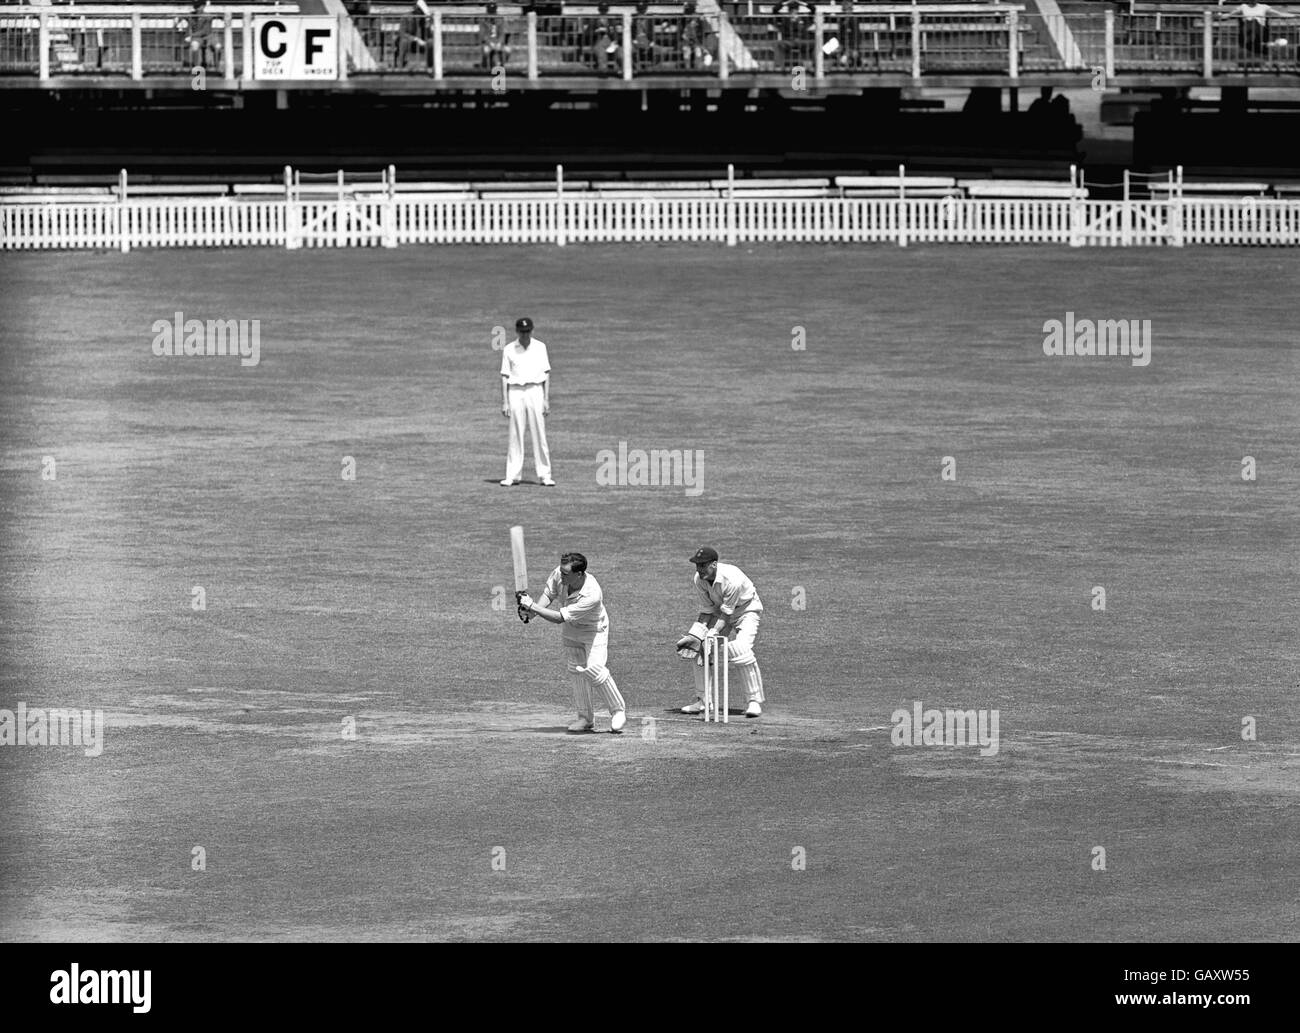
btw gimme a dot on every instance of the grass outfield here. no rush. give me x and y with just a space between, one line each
373 599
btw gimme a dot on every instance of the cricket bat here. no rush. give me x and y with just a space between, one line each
521 566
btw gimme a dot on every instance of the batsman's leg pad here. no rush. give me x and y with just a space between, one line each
574 660
613 697
582 697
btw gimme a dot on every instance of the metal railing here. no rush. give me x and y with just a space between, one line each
55 42
932 38
1206 42
20 40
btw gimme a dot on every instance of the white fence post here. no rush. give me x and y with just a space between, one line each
1207 44
340 215
43 44
1177 216
723 71
731 206
1013 34
627 45
342 48
292 228
250 66
560 238
137 46
389 212
532 45
916 41
1076 206
901 209
123 217
228 57
1110 44
819 40
437 44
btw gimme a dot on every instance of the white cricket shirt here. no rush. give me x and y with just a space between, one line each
520 365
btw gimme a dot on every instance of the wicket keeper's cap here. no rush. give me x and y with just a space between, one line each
704 554
524 325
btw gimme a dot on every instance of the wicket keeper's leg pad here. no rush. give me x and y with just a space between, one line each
749 677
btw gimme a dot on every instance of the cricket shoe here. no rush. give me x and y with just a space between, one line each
753 710
617 721
547 483
507 483
694 708
580 726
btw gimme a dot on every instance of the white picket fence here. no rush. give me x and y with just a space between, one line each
393 221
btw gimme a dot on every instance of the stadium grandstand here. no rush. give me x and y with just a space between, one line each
477 93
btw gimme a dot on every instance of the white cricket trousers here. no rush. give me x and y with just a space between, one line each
526 405
586 667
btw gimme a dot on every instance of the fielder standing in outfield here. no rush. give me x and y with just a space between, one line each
730 608
584 638
526 397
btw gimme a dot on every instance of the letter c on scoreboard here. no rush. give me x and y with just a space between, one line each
278 50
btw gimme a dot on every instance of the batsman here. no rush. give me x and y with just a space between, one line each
730 608
584 637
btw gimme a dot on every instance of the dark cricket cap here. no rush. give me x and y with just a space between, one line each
704 554
524 324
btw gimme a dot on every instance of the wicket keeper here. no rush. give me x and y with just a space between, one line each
729 607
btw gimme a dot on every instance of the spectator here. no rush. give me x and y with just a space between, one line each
790 28
848 55
494 38
1252 30
205 50
697 39
604 40
415 35
644 49
1041 109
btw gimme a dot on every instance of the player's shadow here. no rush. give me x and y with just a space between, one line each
555 730
521 484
